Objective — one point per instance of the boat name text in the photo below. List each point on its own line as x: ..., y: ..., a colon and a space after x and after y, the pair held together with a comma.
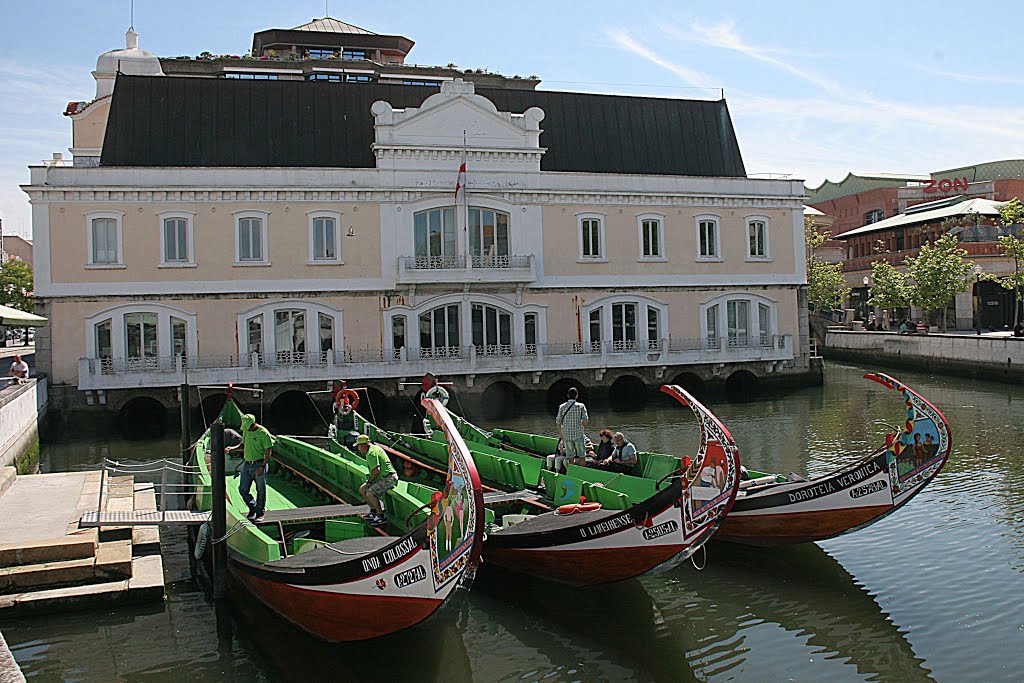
x: 390, y: 556
x: 607, y: 526
x: 841, y: 482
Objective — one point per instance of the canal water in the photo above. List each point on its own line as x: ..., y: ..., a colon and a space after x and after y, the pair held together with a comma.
x: 934, y: 592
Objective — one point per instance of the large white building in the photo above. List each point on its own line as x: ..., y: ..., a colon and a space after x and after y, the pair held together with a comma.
x: 288, y: 230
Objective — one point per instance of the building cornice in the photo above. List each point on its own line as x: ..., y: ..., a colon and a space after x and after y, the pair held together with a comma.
x: 121, y: 195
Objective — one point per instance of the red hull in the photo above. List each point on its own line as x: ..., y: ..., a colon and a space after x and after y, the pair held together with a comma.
x: 796, y: 527
x: 583, y: 567
x: 336, y: 617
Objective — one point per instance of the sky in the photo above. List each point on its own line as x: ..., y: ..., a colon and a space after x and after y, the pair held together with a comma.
x: 815, y: 89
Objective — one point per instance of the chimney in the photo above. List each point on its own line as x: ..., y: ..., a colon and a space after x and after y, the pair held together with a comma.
x: 131, y: 39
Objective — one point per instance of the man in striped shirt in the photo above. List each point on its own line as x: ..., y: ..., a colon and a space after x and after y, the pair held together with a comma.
x: 572, y: 418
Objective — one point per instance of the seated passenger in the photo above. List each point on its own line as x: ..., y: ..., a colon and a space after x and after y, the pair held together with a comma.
x: 623, y: 458
x: 604, y: 446
x: 554, y: 462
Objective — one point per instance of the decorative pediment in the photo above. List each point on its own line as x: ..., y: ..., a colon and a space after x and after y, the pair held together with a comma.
x: 432, y: 135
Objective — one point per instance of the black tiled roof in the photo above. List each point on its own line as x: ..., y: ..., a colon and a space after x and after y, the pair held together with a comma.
x: 168, y: 121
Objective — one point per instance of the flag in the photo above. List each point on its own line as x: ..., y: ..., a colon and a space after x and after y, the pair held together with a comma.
x: 460, y: 183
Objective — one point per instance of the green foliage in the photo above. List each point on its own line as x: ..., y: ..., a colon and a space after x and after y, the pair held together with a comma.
x: 939, y: 272
x: 1012, y: 213
x: 16, y: 285
x: 890, y: 287
x: 826, y: 286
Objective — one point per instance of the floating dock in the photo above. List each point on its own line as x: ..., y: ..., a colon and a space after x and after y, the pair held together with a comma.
x: 49, y: 563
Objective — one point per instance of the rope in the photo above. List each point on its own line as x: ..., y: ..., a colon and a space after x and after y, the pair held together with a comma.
x: 317, y: 409
x: 239, y: 525
x: 704, y: 555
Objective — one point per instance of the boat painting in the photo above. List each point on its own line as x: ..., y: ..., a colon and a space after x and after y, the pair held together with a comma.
x: 594, y: 527
x: 771, y: 510
x: 314, y: 561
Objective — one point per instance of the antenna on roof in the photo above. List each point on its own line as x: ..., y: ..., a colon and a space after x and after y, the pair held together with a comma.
x: 327, y: 10
x: 131, y: 26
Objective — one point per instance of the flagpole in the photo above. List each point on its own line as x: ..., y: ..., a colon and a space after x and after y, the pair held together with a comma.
x: 465, y: 204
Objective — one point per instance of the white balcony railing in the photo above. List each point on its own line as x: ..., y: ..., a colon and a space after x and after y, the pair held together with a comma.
x: 374, y: 363
x: 456, y: 269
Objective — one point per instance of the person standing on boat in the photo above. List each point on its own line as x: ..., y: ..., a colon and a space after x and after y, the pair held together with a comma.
x: 572, y: 418
x: 257, y: 445
x: 381, y: 480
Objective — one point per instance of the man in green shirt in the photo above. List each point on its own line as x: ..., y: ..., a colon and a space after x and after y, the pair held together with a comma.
x: 381, y: 480
x: 257, y: 444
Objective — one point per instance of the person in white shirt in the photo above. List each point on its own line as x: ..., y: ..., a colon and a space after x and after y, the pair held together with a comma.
x: 18, y: 371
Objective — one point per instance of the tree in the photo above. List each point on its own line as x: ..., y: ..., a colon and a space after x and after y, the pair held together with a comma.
x: 939, y: 272
x: 826, y: 286
x: 1010, y: 214
x: 890, y: 287
x: 16, y: 285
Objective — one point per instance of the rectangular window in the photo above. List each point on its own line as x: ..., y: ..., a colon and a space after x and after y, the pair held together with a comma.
x: 757, y: 232
x: 707, y: 237
x: 175, y: 240
x: 290, y: 335
x: 488, y: 238
x: 653, y: 328
x: 326, y: 335
x: 358, y: 78
x: 764, y: 325
x: 320, y: 53
x: 398, y: 333
x: 104, y: 240
x: 874, y: 216
x: 711, y: 316
x: 178, y: 339
x: 435, y: 238
x: 650, y: 237
x: 590, y: 238
x: 623, y: 326
x: 439, y: 329
x: 492, y: 330
x: 251, y: 77
x: 431, y: 84
x: 103, y: 344
x: 324, y: 238
x: 140, y: 338
x: 250, y: 239
x: 254, y: 329
x: 329, y: 78
x: 353, y: 54
x: 738, y: 314
x: 595, y: 330
x: 530, y: 333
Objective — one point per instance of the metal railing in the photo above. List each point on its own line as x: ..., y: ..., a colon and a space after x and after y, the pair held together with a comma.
x: 434, y: 262
x: 502, y: 262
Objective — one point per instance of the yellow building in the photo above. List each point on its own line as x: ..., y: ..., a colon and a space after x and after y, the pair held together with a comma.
x: 276, y: 231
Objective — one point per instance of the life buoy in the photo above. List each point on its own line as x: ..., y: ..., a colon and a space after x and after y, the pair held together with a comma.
x: 573, y: 508
x: 439, y: 393
x: 346, y: 400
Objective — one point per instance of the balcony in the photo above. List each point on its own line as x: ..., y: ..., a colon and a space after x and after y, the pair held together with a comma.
x: 973, y: 249
x: 376, y: 363
x: 416, y: 270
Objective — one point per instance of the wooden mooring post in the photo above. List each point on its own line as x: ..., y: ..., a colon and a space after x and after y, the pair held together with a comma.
x: 218, y: 510
x: 186, y: 424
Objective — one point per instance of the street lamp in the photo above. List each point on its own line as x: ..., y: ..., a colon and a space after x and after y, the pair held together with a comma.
x: 977, y: 300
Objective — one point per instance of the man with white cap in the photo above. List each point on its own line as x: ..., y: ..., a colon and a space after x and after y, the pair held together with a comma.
x: 257, y: 444
x: 382, y: 478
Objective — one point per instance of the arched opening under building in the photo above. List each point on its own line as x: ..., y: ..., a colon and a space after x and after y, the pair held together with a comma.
x: 501, y: 400
x: 142, y: 417
x: 693, y: 383
x: 627, y: 393
x: 742, y: 386
x: 293, y: 412
x: 373, y: 405
x: 210, y: 406
x: 556, y: 394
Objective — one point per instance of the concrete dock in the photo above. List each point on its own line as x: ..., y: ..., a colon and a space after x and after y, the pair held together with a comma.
x: 48, y: 563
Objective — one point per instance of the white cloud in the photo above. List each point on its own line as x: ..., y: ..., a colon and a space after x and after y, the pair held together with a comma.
x: 691, y: 77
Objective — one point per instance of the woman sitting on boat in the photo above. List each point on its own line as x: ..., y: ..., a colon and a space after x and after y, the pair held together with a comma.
x: 623, y: 458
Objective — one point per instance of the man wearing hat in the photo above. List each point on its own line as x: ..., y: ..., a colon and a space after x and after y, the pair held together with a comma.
x: 381, y: 480
x: 257, y: 444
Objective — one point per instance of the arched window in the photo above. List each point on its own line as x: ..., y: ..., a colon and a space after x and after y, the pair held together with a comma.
x: 488, y: 237
x: 625, y: 323
x: 290, y: 333
x: 492, y: 330
x: 739, y: 320
x: 435, y: 238
x: 141, y: 337
x: 440, y: 334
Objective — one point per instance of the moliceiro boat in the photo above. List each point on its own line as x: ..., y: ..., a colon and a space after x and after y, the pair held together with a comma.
x: 773, y: 510
x: 316, y: 562
x: 587, y: 526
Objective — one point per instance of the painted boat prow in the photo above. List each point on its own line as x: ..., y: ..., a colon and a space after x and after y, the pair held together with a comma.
x: 855, y: 495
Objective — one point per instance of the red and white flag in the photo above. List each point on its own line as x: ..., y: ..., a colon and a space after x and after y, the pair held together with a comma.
x: 460, y: 183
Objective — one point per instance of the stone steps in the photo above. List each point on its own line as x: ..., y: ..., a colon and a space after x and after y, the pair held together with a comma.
x: 78, y: 547
x: 112, y: 562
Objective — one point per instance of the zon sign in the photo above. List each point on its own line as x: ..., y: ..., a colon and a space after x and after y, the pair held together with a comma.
x: 946, y: 185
